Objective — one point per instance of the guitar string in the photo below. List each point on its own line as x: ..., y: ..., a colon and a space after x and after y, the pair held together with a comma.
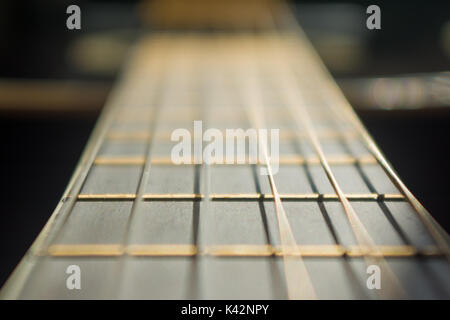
x: 336, y: 238
x: 439, y: 235
x: 394, y: 289
x: 295, y: 103
x: 298, y: 281
x: 267, y: 163
x: 172, y: 61
x: 52, y: 229
x: 158, y: 79
x: 206, y: 220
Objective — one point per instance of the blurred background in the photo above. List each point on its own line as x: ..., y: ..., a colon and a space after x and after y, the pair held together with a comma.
x: 54, y: 82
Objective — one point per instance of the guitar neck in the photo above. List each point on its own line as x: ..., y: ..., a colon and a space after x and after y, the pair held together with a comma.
x: 328, y: 206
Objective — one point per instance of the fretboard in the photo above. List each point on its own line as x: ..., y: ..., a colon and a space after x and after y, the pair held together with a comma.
x: 141, y: 226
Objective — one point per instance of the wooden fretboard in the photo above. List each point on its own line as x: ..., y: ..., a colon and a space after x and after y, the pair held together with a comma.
x: 139, y: 226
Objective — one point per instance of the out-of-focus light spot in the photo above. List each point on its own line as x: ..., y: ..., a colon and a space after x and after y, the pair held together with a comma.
x: 445, y: 38
x: 340, y: 52
x: 97, y: 53
x: 440, y: 88
x: 401, y: 92
x: 398, y: 93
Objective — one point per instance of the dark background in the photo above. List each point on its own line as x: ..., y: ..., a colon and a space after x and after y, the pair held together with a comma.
x: 40, y: 151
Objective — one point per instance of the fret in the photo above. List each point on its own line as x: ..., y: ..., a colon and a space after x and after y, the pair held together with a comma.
x: 146, y: 250
x: 128, y: 136
x: 118, y: 135
x: 106, y: 197
x: 314, y: 197
x: 242, y: 196
x: 284, y: 160
x: 168, y: 197
x: 127, y: 161
x: 85, y: 250
x: 237, y: 250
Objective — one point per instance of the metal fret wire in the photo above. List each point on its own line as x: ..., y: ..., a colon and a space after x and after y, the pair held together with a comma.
x: 237, y: 250
x: 284, y: 160
x: 240, y: 196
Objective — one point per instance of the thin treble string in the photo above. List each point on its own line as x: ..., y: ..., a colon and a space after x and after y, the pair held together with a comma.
x: 309, y: 177
x: 295, y: 104
x: 159, y: 79
x: 394, y: 290
x: 209, y: 85
x: 440, y: 236
x: 297, y: 278
x: 196, y: 280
